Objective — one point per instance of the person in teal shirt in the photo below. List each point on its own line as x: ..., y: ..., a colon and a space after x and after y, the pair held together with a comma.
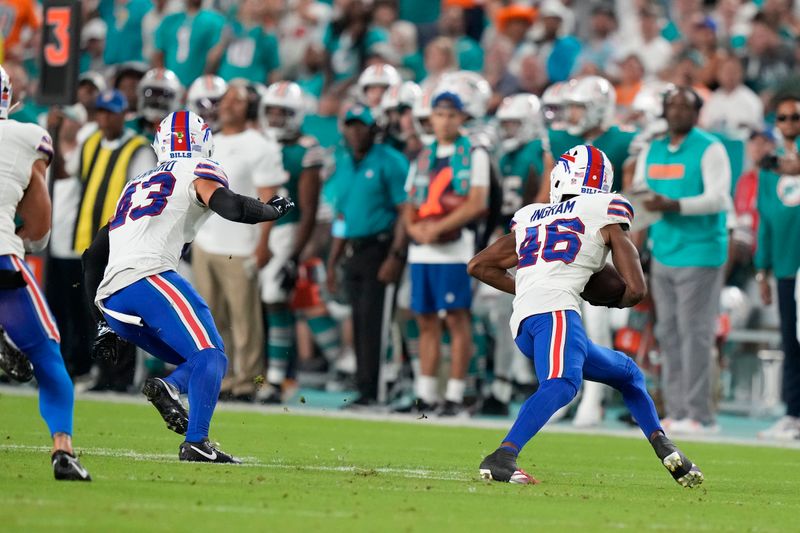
x: 688, y: 171
x: 246, y: 49
x: 184, y: 39
x: 369, y: 196
x: 778, y: 254
x: 124, y: 35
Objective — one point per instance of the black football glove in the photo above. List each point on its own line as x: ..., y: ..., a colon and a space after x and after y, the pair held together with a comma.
x: 281, y: 204
x: 287, y: 276
x: 107, y: 345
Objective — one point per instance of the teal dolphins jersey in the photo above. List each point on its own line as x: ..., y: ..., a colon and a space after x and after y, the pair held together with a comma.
x: 515, y: 171
x: 298, y: 156
x: 615, y: 142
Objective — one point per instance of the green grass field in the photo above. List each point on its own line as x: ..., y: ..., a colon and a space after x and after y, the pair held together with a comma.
x: 308, y: 473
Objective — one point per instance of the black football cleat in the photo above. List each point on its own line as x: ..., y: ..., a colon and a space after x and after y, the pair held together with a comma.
x: 167, y: 401
x: 683, y: 471
x: 66, y: 467
x: 501, y: 466
x: 493, y: 407
x: 204, y: 452
x: 449, y: 409
x: 13, y: 362
x: 417, y: 407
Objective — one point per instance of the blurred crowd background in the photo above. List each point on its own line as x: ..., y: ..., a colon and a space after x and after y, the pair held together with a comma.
x: 324, y: 301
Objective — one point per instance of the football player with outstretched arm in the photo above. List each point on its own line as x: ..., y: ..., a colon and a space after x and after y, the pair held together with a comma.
x: 557, y: 248
x: 143, y: 298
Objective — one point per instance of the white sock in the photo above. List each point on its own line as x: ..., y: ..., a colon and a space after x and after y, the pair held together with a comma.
x: 501, y: 389
x: 427, y: 389
x: 455, y: 390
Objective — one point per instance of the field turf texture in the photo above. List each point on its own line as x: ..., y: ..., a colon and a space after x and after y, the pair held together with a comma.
x: 318, y: 473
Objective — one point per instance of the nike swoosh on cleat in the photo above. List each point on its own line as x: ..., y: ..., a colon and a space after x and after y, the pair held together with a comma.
x: 169, y: 390
x: 210, y: 457
x: 74, y: 464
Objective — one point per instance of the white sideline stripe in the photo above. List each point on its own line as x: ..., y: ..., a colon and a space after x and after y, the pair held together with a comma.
x: 250, y: 462
x: 378, y: 416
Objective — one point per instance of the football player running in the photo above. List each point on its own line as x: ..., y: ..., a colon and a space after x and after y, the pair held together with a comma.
x: 556, y: 248
x: 25, y: 152
x: 143, y: 298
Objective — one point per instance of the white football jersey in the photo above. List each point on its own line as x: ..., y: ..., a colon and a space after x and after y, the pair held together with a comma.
x: 20, y: 146
x: 559, y: 248
x: 156, y: 215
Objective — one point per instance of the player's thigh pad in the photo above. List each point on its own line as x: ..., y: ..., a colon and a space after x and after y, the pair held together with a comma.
x: 556, y: 342
x: 24, y: 312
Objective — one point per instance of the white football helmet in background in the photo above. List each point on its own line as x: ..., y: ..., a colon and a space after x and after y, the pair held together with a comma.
x: 400, y: 96
x: 583, y: 169
x: 381, y: 75
x: 524, y: 112
x: 598, y: 98
x: 288, y: 96
x: 183, y: 134
x: 421, y: 115
x: 553, y: 99
x: 473, y: 89
x: 160, y: 92
x: 204, y: 95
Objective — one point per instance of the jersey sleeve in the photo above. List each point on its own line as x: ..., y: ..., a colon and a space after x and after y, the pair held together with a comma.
x: 618, y: 211
x: 211, y: 170
x: 42, y: 144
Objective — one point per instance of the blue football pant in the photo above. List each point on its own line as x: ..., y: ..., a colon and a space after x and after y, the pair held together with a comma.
x: 27, y: 319
x: 176, y: 327
x: 563, y: 356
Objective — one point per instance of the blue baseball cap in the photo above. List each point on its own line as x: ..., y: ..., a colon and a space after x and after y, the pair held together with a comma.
x: 360, y: 113
x: 449, y: 99
x: 112, y: 101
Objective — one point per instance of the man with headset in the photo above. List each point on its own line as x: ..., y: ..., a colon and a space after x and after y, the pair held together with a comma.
x: 689, y: 172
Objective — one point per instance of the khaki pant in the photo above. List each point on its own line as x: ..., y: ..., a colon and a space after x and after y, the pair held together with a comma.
x: 231, y: 290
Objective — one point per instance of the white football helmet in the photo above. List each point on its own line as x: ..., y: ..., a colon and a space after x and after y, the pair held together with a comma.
x: 474, y: 90
x: 398, y: 96
x: 421, y: 115
x: 599, y: 99
x: 160, y: 92
x: 648, y: 104
x: 381, y: 75
x: 204, y: 96
x: 524, y: 109
x: 553, y: 104
x: 6, y: 93
x: 582, y: 169
x: 183, y: 134
x: 286, y: 95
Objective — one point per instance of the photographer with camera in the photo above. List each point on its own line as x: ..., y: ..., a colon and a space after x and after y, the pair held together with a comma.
x: 778, y: 253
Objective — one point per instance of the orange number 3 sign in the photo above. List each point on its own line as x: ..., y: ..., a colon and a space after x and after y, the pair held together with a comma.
x: 57, y: 53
